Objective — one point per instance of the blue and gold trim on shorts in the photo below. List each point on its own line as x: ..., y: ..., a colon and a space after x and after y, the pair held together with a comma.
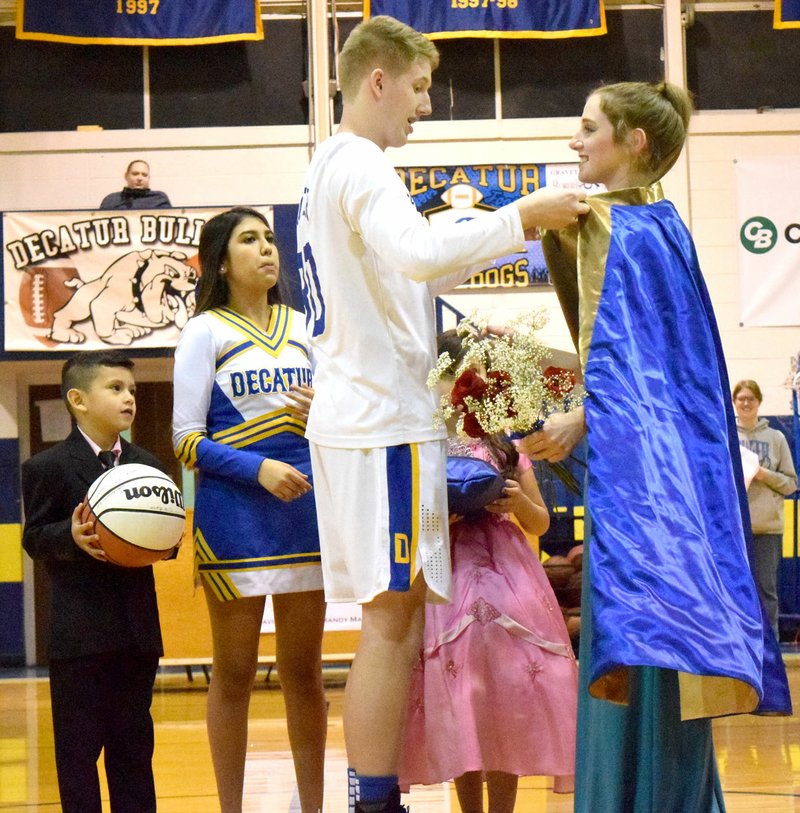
x: 217, y: 572
x: 261, y: 427
x: 243, y: 434
x: 403, y: 489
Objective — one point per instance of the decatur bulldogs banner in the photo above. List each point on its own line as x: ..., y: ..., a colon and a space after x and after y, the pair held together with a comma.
x: 462, y: 192
x: 543, y: 19
x: 787, y: 14
x: 80, y: 280
x: 768, y: 228
x: 139, y: 22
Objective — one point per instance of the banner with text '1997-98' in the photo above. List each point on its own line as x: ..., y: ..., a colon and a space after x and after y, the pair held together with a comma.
x: 531, y: 19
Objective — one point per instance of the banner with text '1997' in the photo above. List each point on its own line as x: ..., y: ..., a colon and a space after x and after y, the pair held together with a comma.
x: 139, y: 22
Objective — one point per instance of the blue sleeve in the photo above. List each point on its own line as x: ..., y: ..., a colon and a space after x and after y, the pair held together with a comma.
x: 226, y: 461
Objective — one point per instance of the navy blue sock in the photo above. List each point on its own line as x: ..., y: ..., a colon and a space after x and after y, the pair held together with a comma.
x: 375, y: 788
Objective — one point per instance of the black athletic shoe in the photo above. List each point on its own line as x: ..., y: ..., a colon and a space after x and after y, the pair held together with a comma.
x: 391, y: 805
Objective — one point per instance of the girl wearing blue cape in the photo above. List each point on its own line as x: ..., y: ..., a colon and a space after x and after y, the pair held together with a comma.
x: 673, y: 632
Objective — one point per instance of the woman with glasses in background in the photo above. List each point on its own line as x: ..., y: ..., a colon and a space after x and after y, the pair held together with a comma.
x: 774, y: 480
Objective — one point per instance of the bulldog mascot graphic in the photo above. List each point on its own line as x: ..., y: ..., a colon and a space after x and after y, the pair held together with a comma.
x: 138, y: 293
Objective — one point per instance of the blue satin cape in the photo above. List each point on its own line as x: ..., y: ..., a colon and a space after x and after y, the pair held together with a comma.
x: 672, y: 584
x: 670, y: 569
x: 672, y: 629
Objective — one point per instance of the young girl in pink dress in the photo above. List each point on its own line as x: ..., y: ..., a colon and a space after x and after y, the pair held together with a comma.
x: 494, y: 695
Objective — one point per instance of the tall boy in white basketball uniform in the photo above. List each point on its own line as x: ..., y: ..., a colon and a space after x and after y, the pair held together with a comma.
x: 371, y: 266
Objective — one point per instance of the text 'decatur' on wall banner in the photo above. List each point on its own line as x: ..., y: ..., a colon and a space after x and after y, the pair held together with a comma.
x: 453, y: 193
x: 84, y: 280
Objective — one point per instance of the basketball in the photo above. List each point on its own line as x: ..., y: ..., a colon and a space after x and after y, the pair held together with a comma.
x: 137, y: 512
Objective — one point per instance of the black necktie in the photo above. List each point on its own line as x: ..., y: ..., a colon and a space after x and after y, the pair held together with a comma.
x: 107, y: 459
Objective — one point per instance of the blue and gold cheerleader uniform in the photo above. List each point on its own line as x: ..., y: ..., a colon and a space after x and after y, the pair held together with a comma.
x: 230, y: 412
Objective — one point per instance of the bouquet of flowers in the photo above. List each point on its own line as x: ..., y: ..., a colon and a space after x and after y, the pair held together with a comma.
x: 501, y: 384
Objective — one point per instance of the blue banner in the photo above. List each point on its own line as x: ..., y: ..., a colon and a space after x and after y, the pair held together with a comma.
x: 447, y: 194
x: 543, y: 19
x: 787, y: 14
x: 139, y: 22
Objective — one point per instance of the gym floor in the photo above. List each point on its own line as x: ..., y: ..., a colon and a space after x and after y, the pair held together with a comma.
x: 759, y: 757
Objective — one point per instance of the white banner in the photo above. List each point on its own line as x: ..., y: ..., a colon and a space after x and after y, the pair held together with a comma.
x: 338, y: 616
x: 82, y: 280
x: 768, y: 228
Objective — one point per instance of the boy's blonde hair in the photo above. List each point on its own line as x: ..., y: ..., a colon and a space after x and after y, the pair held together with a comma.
x: 381, y: 42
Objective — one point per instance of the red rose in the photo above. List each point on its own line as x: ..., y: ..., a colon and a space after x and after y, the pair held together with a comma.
x: 472, y: 426
x: 469, y: 383
x: 499, y: 382
x: 559, y: 381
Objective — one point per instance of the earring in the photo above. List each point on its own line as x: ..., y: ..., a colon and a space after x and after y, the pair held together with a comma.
x: 222, y: 270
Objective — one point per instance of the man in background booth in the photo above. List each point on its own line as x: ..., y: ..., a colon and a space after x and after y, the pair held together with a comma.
x: 136, y: 194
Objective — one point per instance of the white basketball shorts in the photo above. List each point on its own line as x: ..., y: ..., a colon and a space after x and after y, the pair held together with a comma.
x: 382, y: 516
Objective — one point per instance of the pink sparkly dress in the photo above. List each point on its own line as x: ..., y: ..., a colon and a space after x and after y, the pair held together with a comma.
x: 496, y: 686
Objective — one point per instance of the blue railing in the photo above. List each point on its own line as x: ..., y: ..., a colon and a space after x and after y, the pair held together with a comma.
x: 445, y: 308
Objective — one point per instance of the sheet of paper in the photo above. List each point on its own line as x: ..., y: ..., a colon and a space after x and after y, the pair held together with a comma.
x: 749, y: 465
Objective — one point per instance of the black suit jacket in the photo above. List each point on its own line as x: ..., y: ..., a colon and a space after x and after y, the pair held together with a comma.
x: 136, y: 199
x: 96, y: 607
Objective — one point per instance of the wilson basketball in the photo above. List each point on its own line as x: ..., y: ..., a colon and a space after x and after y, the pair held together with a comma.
x: 138, y: 514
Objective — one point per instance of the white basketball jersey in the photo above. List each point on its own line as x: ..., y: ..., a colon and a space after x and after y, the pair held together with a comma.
x: 367, y: 259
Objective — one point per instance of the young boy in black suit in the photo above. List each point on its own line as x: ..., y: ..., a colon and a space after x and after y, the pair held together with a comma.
x: 105, y: 638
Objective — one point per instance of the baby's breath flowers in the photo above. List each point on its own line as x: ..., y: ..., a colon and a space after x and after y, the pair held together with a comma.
x: 501, y: 384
